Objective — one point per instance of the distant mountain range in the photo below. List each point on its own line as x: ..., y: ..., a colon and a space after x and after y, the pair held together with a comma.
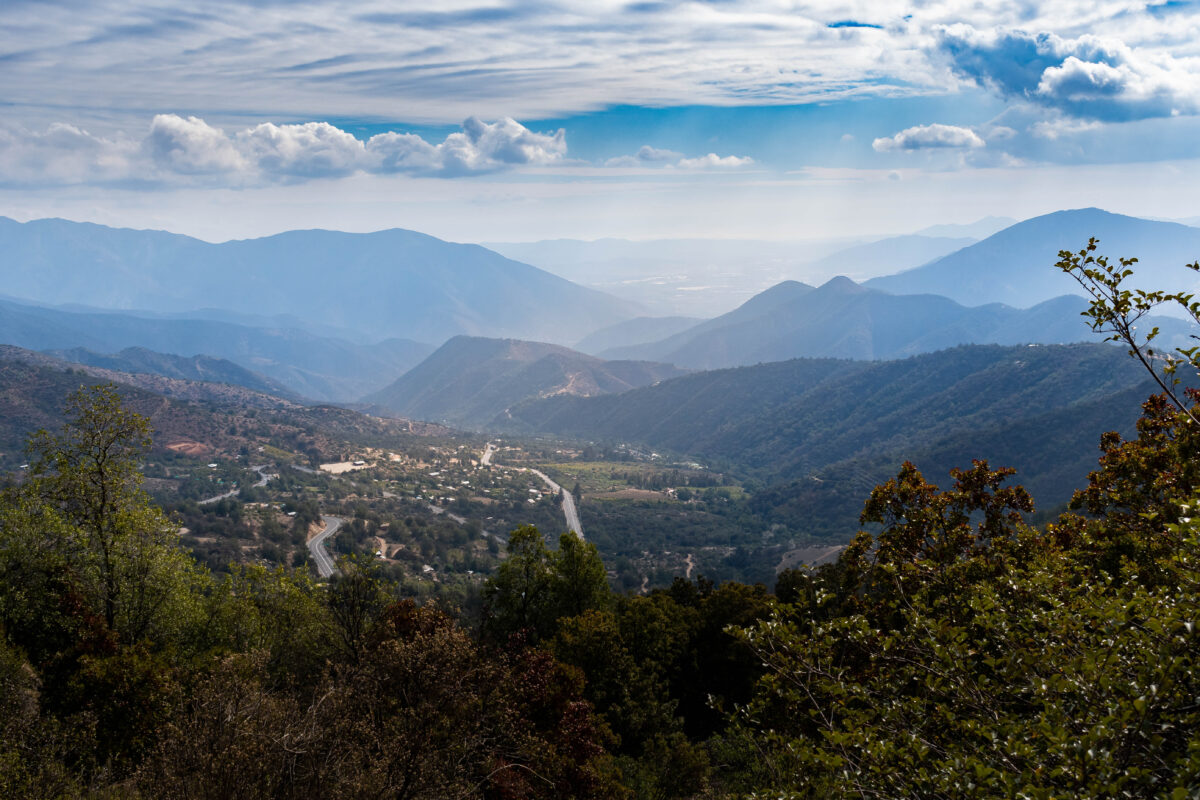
x: 842, y: 319
x: 392, y: 283
x: 638, y: 330
x: 341, y: 290
x: 707, y: 277
x: 886, y: 255
x: 470, y: 382
x: 318, y: 367
x: 195, y: 368
x: 1016, y: 265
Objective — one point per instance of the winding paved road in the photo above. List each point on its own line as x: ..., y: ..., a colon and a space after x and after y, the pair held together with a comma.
x: 570, y: 512
x: 568, y: 502
x: 325, y: 565
x: 263, y: 477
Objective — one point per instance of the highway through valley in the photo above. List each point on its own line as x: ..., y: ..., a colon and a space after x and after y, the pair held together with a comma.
x: 570, y: 511
x: 316, y: 546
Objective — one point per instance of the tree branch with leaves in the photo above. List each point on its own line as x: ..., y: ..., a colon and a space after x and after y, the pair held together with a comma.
x: 1116, y: 308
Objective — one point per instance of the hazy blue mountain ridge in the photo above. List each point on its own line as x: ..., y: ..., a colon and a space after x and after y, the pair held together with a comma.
x: 842, y: 319
x: 318, y: 367
x: 392, y: 283
x: 636, y: 331
x: 887, y: 255
x: 193, y: 368
x: 1016, y: 265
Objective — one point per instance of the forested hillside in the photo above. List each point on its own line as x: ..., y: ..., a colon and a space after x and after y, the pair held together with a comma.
x: 784, y: 418
x: 195, y: 368
x: 819, y: 433
x: 224, y: 419
x: 984, y: 652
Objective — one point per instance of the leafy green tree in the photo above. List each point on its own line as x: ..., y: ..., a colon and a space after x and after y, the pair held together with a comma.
x: 578, y: 579
x: 1115, y: 310
x: 517, y: 597
x: 93, y: 586
x: 961, y: 653
x: 425, y: 714
x: 282, y: 615
x: 628, y: 655
x: 118, y: 544
x: 356, y: 600
x: 534, y: 587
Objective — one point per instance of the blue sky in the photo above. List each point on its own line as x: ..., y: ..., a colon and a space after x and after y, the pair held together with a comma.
x: 526, y: 120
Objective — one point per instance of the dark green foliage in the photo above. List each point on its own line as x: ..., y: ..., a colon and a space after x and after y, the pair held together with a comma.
x: 962, y: 653
x: 535, y: 587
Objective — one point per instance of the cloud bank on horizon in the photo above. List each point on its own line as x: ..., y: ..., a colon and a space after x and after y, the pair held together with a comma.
x: 158, y: 94
x: 178, y: 149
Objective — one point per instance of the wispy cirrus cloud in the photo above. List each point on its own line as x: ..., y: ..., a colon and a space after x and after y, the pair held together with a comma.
x: 398, y: 59
x: 181, y: 149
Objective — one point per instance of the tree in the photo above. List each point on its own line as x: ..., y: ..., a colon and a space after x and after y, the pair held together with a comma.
x: 578, y: 579
x: 119, y: 546
x: 534, y: 587
x: 356, y: 600
x: 961, y: 653
x: 1115, y: 310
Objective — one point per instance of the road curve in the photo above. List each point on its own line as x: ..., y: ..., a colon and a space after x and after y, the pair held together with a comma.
x: 263, y: 477
x: 316, y: 546
x: 570, y: 512
x: 568, y: 502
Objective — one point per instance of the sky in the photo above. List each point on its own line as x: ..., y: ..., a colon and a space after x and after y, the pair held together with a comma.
x: 520, y: 121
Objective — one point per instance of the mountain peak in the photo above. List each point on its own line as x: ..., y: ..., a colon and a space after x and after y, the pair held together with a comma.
x: 1016, y: 265
x: 390, y: 283
x: 841, y: 284
x: 471, y: 380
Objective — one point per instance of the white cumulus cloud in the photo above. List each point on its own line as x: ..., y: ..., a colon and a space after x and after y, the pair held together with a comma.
x: 923, y: 137
x: 190, y: 146
x: 714, y: 161
x: 188, y: 149
x: 1088, y: 77
x: 63, y: 154
x: 313, y: 150
x: 648, y: 156
x: 483, y: 147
